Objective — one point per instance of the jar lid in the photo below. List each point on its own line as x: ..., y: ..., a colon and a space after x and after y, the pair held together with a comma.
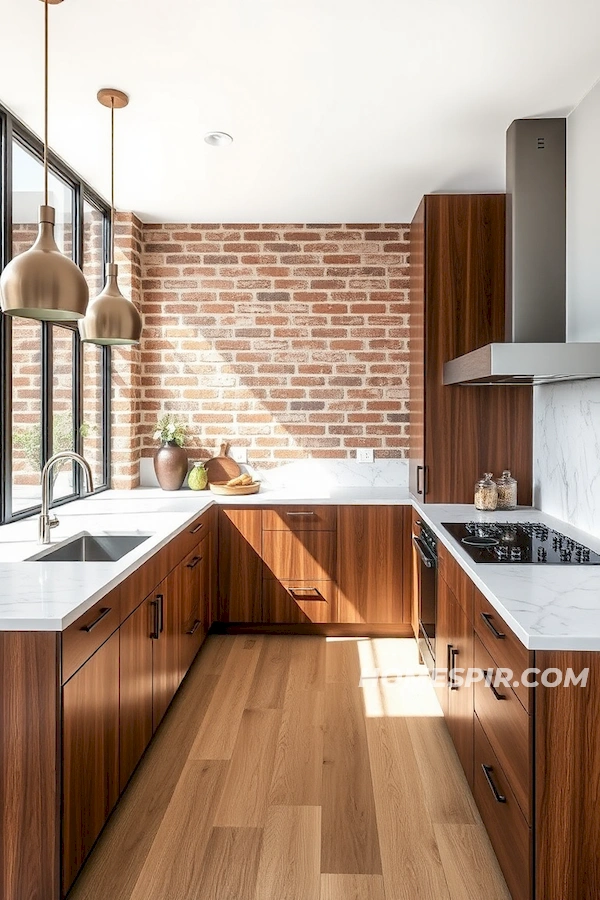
x: 506, y: 476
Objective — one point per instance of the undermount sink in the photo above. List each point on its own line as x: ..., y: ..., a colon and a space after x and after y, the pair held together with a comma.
x: 91, y: 548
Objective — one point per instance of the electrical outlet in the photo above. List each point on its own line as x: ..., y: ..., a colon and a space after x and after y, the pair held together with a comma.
x: 239, y: 454
x: 364, y: 456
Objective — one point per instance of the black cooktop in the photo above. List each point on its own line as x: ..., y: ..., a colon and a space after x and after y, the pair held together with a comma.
x: 520, y: 542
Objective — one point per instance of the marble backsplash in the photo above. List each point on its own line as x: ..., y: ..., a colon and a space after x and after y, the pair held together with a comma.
x: 566, y: 462
x: 317, y: 473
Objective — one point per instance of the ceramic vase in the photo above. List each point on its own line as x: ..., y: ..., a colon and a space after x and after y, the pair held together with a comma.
x: 171, y: 466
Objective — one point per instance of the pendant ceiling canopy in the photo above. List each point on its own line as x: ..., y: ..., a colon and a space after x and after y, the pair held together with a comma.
x: 43, y: 283
x: 111, y: 318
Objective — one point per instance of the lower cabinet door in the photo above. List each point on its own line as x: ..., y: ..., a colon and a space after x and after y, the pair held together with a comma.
x: 194, y: 599
x: 372, y: 544
x: 90, y: 754
x: 460, y: 687
x: 166, y: 669
x: 240, y: 565
x: 136, y: 688
x: 509, y: 833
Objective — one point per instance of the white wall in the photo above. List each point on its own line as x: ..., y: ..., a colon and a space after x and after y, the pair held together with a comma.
x: 567, y: 416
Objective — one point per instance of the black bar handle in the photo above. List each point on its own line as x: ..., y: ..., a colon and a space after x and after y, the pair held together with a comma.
x: 103, y: 612
x: 487, y: 677
x: 448, y: 665
x: 194, y: 562
x: 419, y: 470
x: 487, y: 771
x: 161, y: 613
x: 487, y: 618
x: 303, y: 593
x: 195, y: 626
x: 421, y: 548
x: 155, y: 634
x: 197, y: 528
x: 453, y: 654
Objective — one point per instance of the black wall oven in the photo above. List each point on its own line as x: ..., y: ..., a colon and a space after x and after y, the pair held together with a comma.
x: 425, y: 544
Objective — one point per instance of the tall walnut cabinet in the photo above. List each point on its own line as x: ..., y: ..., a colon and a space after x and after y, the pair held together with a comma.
x: 457, y: 283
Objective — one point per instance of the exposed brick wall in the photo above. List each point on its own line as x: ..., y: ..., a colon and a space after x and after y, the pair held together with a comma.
x: 289, y: 339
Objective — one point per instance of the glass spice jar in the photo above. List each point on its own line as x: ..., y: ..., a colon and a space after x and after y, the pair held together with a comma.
x: 507, y: 491
x: 486, y: 493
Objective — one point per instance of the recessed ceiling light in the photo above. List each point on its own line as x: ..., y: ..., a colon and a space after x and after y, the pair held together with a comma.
x: 218, y: 138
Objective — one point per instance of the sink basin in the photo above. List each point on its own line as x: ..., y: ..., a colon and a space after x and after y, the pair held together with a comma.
x: 91, y: 548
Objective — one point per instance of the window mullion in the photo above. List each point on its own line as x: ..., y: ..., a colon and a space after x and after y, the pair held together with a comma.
x: 77, y: 408
x: 47, y: 419
x: 106, y: 413
x: 5, y: 325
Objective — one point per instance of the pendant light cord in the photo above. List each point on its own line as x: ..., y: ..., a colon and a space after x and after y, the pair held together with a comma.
x: 112, y: 179
x: 46, y: 102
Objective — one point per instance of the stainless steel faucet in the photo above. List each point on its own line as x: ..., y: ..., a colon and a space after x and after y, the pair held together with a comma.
x: 47, y: 522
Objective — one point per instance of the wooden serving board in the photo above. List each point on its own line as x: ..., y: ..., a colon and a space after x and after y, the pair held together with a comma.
x: 235, y: 490
x: 222, y: 467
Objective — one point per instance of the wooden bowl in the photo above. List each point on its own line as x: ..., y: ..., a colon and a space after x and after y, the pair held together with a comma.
x: 221, y: 487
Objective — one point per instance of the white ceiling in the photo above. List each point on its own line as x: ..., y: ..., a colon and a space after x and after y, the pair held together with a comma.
x: 341, y: 110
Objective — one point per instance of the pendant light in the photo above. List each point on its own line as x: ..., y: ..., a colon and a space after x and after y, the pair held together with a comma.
x: 111, y: 318
x: 43, y: 283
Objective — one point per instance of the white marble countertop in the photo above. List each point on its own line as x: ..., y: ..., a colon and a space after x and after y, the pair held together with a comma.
x: 548, y: 607
x: 49, y: 596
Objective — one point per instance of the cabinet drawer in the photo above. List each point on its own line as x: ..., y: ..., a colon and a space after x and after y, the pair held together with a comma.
x: 300, y: 518
x: 302, y: 556
x: 298, y: 601
x: 457, y: 579
x: 509, y: 833
x: 507, y: 727
x: 502, y: 644
x: 89, y: 632
x: 191, y: 536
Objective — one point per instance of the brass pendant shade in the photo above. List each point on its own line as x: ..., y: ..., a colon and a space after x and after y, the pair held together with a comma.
x: 111, y: 318
x: 43, y: 283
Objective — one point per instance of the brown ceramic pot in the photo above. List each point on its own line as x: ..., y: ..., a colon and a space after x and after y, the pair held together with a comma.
x: 171, y: 466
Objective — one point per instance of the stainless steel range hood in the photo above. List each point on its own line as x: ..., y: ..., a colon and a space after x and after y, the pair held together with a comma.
x: 535, y: 349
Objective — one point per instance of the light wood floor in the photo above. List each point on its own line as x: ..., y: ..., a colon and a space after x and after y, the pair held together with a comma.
x: 279, y: 775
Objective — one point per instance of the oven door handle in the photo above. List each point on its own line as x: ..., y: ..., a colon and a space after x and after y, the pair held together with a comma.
x: 421, y: 549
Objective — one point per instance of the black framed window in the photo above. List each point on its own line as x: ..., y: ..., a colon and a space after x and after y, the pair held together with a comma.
x: 55, y: 390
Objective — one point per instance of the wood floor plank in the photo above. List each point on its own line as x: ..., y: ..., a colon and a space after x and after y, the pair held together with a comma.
x: 447, y: 795
x: 343, y: 661
x: 230, y: 865
x: 213, y: 654
x: 114, y: 867
x: 307, y: 663
x: 175, y: 863
x: 298, y: 765
x: 412, y: 868
x: 217, y: 738
x: 471, y: 868
x: 245, y: 797
x: 350, y: 842
x: 271, y: 675
x: 290, y: 856
x: 352, y: 887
